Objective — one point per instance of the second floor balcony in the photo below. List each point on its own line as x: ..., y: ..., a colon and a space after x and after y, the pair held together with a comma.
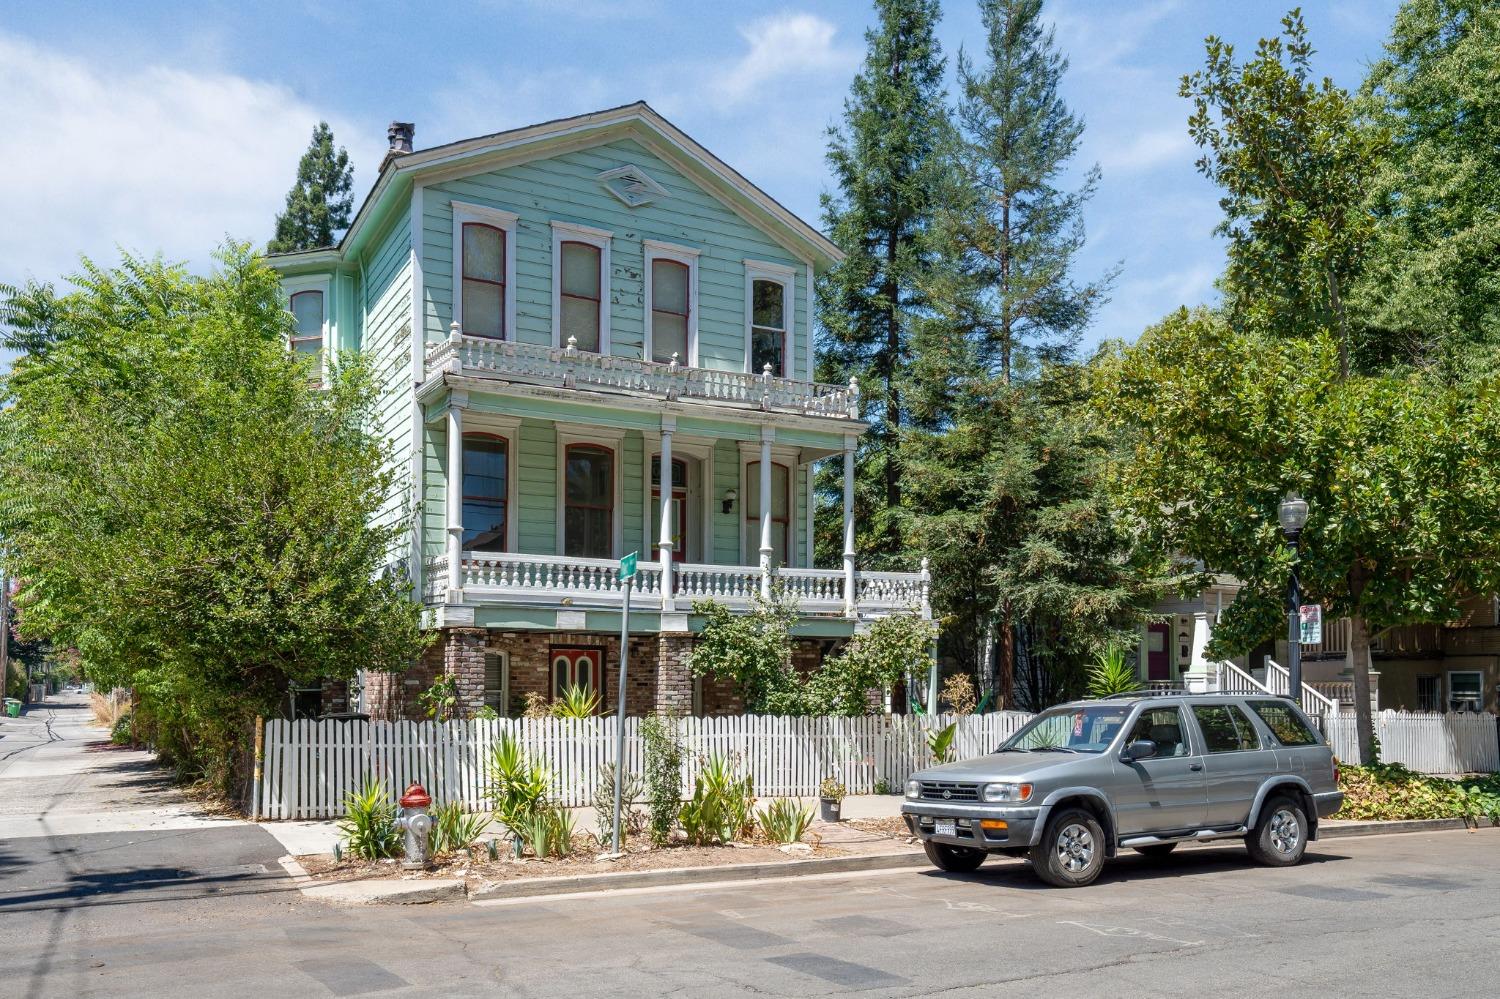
x: 570, y: 368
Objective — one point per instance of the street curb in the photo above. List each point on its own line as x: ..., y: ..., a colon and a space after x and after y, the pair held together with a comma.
x: 1377, y: 828
x: 375, y: 891
x: 678, y: 876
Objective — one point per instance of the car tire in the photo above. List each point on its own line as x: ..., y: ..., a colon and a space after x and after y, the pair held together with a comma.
x: 1071, y: 851
x: 1156, y: 851
x: 953, y: 859
x: 1279, y: 838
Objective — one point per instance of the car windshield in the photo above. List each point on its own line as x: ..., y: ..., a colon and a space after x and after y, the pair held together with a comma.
x: 1069, y: 730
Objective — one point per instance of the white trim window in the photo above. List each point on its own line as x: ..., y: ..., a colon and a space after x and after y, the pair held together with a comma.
x: 1465, y: 690
x: 671, y: 303
x: 487, y: 490
x: 580, y: 286
x: 307, y: 301
x: 590, y: 491
x: 484, y: 271
x: 497, y: 682
x: 770, y: 303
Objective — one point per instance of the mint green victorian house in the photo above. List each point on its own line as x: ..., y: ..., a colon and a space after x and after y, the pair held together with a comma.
x: 594, y: 338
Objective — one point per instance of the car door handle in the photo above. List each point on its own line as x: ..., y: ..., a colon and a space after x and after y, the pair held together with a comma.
x: 1195, y: 766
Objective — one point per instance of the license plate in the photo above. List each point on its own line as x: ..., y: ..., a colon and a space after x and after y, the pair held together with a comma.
x: 945, y: 827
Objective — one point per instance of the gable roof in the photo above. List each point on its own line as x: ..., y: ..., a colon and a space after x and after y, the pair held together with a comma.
x: 638, y: 121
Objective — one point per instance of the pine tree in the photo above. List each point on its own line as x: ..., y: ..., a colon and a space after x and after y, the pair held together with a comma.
x: 887, y: 160
x: 987, y: 441
x: 318, y: 205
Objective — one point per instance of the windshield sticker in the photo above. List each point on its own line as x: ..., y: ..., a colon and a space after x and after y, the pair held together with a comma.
x: 1078, y: 723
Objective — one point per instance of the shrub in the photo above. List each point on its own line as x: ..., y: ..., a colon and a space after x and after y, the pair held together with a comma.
x: 576, y: 702
x: 1390, y: 791
x: 548, y: 831
x: 369, y: 822
x: 454, y: 829
x: 440, y: 701
x: 882, y: 786
x: 784, y: 820
x: 958, y: 691
x: 517, y: 787
x: 832, y: 789
x: 486, y: 713
x: 122, y: 732
x: 108, y: 708
x: 535, y: 705
x: 632, y: 823
x: 722, y: 807
x: 663, y: 776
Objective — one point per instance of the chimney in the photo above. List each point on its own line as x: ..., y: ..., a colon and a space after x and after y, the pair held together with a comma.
x: 400, y: 135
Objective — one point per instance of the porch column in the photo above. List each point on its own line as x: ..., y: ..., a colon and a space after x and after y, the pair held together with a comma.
x: 457, y: 402
x: 767, y: 435
x: 664, y: 544
x: 850, y: 594
x: 1198, y: 664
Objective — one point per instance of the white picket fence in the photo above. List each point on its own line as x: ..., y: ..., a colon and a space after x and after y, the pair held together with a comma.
x: 1461, y: 742
x: 310, y: 765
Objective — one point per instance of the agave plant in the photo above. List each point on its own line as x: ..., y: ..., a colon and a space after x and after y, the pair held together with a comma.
x: 784, y: 820
x: 517, y: 786
x: 1112, y: 673
x: 576, y: 702
x: 369, y: 822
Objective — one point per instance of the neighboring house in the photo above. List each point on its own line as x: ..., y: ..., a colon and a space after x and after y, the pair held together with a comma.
x: 594, y: 338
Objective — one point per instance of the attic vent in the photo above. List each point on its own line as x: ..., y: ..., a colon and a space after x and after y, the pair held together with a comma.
x: 632, y: 185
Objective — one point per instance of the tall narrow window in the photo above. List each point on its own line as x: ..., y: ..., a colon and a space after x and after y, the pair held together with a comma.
x: 307, y: 308
x: 781, y: 506
x: 497, y: 682
x: 679, y: 508
x: 581, y: 284
x: 669, y: 311
x: 768, y: 327
x: 589, y: 487
x: 486, y: 480
x: 483, y: 280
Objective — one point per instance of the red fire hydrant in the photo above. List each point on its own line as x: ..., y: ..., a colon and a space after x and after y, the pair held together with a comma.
x: 417, y: 824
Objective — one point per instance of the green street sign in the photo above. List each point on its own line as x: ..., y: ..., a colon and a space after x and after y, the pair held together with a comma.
x: 627, y: 566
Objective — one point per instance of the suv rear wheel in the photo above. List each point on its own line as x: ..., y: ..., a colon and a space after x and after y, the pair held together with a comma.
x: 1280, y: 835
x: 1071, y: 851
x: 953, y: 859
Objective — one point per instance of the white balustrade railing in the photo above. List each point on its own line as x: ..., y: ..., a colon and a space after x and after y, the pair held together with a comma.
x: 541, y: 577
x: 568, y: 367
x: 1279, y: 681
x: 1233, y: 680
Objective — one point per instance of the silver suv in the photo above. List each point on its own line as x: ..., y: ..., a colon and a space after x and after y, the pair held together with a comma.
x: 1142, y: 771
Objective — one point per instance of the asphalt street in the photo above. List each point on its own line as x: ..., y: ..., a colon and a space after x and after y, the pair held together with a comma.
x: 203, y: 911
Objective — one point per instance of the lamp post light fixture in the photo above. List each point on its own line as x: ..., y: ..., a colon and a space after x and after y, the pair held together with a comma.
x: 1293, y: 516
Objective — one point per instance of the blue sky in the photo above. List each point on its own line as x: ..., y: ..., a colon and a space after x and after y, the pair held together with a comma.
x: 164, y: 126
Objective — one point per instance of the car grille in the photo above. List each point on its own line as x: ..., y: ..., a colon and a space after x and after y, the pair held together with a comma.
x: 943, y: 790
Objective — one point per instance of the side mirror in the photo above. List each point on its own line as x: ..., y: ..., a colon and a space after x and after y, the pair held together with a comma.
x: 1140, y: 749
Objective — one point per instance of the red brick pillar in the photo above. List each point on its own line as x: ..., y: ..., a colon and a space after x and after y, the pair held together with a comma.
x: 463, y: 659
x: 674, y: 678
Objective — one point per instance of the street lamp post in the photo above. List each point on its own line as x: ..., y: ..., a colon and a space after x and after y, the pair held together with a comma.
x: 1293, y: 516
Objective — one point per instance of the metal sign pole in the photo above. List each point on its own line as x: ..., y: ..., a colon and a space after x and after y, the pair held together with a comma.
x: 620, y: 699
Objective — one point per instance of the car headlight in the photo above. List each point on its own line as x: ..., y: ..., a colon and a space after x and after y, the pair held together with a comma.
x: 913, y: 789
x: 1007, y: 792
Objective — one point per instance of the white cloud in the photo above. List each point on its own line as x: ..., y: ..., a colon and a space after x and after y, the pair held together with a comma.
x: 1148, y: 150
x: 146, y: 158
x: 783, y: 47
x: 1105, y: 40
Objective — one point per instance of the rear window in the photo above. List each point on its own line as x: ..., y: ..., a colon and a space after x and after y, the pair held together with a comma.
x: 1284, y: 723
x: 1226, y: 729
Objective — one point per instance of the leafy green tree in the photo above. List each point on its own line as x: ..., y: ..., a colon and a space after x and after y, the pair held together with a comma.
x: 1399, y: 471
x: 1430, y: 293
x: 874, y: 660
x: 887, y: 160
x: 319, y: 203
x: 1296, y: 174
x: 754, y: 650
x: 191, y: 513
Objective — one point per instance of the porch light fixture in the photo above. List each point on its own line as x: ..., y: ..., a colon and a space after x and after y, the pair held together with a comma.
x: 729, y: 497
x: 1293, y: 516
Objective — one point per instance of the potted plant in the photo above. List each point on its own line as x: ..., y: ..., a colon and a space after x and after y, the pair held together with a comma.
x: 831, y: 798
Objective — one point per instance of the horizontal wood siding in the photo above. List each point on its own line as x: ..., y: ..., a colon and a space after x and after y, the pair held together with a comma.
x: 536, y: 488
x: 564, y: 188
x: 387, y: 340
x: 727, y: 525
x: 434, y: 498
x: 631, y: 465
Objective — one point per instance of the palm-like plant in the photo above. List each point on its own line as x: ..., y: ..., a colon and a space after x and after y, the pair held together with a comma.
x: 576, y: 702
x: 1112, y: 672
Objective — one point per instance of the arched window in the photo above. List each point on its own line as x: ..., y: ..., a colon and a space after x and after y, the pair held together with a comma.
x: 483, y: 289
x: 589, y: 501
x: 781, y: 511
x: 679, y: 508
x: 486, y: 477
x: 307, y: 308
x: 580, y: 294
x: 670, y: 288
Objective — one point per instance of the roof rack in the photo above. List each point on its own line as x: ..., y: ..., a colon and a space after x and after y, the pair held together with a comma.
x: 1153, y: 692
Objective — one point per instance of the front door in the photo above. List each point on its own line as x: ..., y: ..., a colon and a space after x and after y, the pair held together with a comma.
x: 680, y: 518
x: 1165, y: 792
x: 577, y: 666
x: 1159, y: 651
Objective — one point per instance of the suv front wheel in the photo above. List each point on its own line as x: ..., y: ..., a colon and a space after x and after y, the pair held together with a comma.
x: 953, y: 859
x: 1280, y: 835
x: 1071, y: 851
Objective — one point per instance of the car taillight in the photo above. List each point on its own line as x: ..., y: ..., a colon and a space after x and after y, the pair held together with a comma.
x: 1335, y: 770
